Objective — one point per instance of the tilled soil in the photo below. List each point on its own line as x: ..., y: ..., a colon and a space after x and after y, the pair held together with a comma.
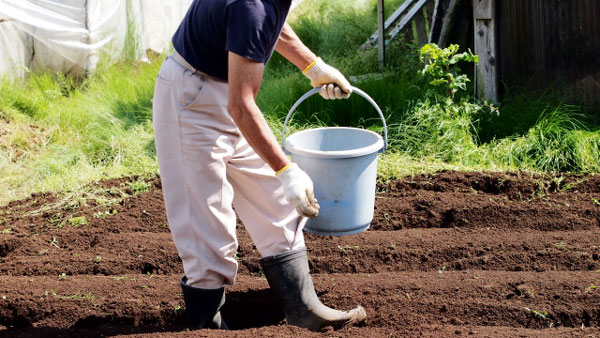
x: 447, y: 254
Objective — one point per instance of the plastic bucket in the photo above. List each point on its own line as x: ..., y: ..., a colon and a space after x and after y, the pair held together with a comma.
x: 342, y: 163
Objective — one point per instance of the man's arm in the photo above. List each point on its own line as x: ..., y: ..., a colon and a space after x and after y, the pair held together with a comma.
x: 291, y: 47
x: 333, y: 84
x: 245, y: 77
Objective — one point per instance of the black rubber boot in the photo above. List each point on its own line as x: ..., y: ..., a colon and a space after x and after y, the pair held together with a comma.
x: 202, y: 306
x: 288, y: 276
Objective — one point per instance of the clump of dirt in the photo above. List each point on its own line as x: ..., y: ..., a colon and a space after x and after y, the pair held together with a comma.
x: 447, y: 254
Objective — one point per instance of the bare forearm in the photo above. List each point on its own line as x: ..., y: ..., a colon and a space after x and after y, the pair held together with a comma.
x: 250, y: 121
x: 293, y: 49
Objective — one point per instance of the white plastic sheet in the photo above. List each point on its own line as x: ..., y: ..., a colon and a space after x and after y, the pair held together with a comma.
x: 72, y: 36
x: 15, y: 49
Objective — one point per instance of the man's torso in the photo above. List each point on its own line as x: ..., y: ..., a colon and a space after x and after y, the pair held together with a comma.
x: 213, y: 28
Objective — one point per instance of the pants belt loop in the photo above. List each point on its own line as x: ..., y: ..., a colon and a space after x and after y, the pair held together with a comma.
x: 180, y: 60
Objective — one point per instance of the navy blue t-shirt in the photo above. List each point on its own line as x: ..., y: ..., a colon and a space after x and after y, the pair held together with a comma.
x: 212, y: 28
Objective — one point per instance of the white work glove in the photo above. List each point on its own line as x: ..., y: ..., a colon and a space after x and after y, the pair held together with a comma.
x: 298, y: 189
x: 333, y: 84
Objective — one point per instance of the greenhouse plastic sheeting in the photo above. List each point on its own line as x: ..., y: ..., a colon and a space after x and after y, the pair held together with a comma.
x: 72, y: 36
x: 15, y: 49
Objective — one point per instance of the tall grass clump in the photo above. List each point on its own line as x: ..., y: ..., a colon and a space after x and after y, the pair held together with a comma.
x: 558, y: 141
x: 58, y: 133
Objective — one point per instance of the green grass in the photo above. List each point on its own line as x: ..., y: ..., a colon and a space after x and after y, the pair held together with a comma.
x: 59, y: 134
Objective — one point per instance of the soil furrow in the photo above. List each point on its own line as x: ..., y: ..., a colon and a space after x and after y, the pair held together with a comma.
x: 451, y: 249
x: 480, y: 298
x: 431, y: 209
x: 406, y: 250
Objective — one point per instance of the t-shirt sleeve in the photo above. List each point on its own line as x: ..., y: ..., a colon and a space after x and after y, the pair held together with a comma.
x: 250, y: 27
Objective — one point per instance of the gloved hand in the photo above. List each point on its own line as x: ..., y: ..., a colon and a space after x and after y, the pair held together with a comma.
x: 333, y: 84
x: 298, y: 188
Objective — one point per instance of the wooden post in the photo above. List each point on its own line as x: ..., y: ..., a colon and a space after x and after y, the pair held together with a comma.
x: 436, y: 22
x: 448, y: 23
x: 421, y: 20
x: 381, y: 28
x: 484, y: 14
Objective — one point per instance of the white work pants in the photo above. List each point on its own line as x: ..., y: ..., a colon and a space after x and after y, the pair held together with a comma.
x: 206, y: 168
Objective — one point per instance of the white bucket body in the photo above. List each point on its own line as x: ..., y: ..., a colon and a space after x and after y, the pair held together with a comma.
x: 342, y: 163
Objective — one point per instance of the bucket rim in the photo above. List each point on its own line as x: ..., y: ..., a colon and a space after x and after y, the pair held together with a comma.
x: 332, y: 154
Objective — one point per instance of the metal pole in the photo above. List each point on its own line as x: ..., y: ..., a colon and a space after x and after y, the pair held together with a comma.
x: 381, y: 28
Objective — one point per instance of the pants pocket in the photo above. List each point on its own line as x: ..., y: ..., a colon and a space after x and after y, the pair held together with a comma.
x: 192, y: 86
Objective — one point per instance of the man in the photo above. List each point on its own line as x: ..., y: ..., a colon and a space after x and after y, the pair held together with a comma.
x: 215, y: 151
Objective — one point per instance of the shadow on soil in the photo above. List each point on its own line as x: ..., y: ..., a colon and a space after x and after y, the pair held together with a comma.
x: 242, y: 310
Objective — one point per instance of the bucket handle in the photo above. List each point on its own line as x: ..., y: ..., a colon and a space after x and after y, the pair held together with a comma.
x: 354, y: 90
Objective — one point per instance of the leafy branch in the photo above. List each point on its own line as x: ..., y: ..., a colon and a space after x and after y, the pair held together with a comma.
x: 442, y: 70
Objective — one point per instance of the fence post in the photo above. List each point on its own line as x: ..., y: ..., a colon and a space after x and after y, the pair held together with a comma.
x: 381, y: 28
x: 484, y: 15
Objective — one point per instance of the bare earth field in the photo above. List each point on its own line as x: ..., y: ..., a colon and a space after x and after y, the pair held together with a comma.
x: 447, y: 254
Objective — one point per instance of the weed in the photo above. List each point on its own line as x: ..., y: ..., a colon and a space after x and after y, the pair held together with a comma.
x: 441, y: 68
x: 98, y: 259
x: 523, y: 291
x: 62, y: 276
x: 54, y: 242
x: 541, y: 189
x: 57, y: 220
x: 541, y: 314
x: 6, y: 231
x: 442, y: 270
x: 105, y: 213
x: 590, y: 288
x: 596, y: 202
x: 50, y: 292
x: 348, y: 247
x: 570, y: 186
x: 75, y: 203
x: 557, y: 183
x: 139, y: 186
x: 560, y: 244
x: 78, y: 221
x: 79, y: 296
